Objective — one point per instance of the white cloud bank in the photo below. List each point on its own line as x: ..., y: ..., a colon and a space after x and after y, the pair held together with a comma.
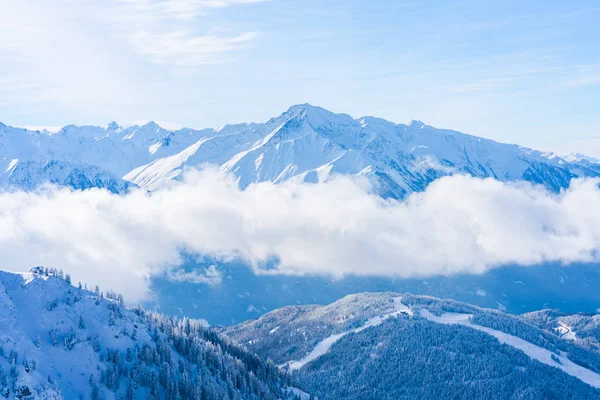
x: 459, y: 224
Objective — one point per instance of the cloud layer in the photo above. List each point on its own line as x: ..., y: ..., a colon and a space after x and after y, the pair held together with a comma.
x: 458, y: 225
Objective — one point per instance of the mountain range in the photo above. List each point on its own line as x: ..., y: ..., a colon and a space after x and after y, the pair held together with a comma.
x: 305, y: 143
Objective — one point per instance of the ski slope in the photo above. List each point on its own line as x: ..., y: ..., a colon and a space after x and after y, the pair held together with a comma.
x: 535, y: 352
x: 324, y: 345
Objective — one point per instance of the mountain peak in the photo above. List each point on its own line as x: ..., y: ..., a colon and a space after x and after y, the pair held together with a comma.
x: 415, y: 123
x: 151, y: 125
x: 302, y: 106
x: 112, y: 126
x: 316, y: 116
x: 306, y: 109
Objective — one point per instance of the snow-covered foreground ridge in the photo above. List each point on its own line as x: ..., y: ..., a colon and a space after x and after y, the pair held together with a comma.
x: 305, y: 143
x: 58, y: 341
x: 364, y: 314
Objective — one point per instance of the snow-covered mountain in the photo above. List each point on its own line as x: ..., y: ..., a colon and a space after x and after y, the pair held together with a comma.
x: 581, y: 328
x: 391, y: 346
x: 305, y: 143
x: 58, y: 341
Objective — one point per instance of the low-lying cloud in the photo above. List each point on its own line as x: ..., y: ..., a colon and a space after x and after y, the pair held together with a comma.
x: 458, y: 225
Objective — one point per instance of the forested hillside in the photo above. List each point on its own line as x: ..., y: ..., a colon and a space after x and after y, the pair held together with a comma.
x: 59, y: 341
x: 387, y: 346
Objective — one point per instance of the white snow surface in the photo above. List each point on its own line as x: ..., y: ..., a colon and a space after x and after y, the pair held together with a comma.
x: 565, y: 331
x: 25, y: 298
x: 300, y: 393
x: 533, y: 351
x: 305, y: 143
x: 32, y: 306
x: 12, y: 164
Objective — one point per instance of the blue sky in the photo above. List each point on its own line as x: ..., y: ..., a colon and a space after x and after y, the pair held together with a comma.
x: 515, y: 71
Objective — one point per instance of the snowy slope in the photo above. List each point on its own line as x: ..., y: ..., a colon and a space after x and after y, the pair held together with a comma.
x: 582, y: 328
x: 305, y: 143
x: 62, y: 342
x: 362, y: 339
x: 28, y: 175
x: 324, y: 345
x: 538, y: 353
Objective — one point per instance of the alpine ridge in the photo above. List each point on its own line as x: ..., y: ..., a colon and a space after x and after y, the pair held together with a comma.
x: 305, y: 143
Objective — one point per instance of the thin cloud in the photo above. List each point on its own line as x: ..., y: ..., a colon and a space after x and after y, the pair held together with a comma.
x: 166, y: 31
x: 182, y: 10
x: 183, y: 48
x: 49, y: 55
x: 210, y: 276
x: 458, y: 225
x: 483, y: 85
x: 585, y: 80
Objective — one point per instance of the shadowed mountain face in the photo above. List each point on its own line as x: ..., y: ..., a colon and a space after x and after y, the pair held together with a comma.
x: 305, y: 143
